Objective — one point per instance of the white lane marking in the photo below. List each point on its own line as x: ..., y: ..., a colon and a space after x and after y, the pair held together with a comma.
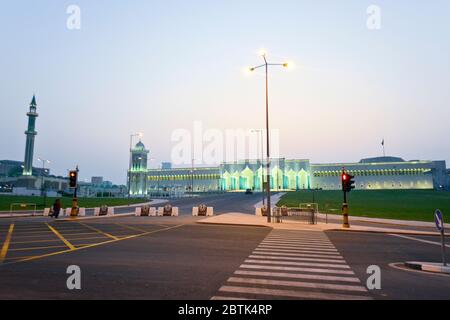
x: 419, y: 240
x: 292, y: 294
x: 297, y: 276
x: 311, y: 255
x: 298, y: 284
x: 300, y: 264
x: 228, y: 298
x: 297, y: 248
x: 299, y: 251
x: 296, y: 259
x: 294, y: 245
x: 312, y: 270
x: 299, y: 241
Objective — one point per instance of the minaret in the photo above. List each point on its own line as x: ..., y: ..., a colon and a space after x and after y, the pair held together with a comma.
x: 139, y: 155
x: 30, y: 133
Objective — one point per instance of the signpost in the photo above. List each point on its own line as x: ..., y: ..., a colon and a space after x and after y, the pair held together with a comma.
x: 439, y: 219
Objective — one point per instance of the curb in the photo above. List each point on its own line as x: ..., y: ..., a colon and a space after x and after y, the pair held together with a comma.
x: 234, y: 224
x: 428, y: 267
x: 412, y: 232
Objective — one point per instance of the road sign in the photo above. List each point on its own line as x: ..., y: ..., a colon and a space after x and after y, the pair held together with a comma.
x: 438, y: 218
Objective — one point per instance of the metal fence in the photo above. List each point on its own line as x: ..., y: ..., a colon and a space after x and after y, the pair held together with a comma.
x: 304, y: 214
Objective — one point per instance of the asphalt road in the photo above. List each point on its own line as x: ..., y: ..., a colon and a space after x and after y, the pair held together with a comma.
x: 176, y: 258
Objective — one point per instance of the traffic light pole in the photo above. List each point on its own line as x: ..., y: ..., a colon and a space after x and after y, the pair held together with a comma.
x: 346, y: 223
x: 74, y: 211
x: 346, y: 186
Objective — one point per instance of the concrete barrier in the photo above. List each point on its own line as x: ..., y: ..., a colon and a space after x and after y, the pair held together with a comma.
x: 46, y: 212
x: 262, y: 212
x: 103, y: 211
x: 68, y: 212
x: 203, y: 211
x: 145, y: 211
x: 168, y: 211
x: 82, y: 212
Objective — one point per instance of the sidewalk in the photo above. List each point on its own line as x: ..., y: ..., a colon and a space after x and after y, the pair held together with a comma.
x: 243, y: 219
x: 381, y: 221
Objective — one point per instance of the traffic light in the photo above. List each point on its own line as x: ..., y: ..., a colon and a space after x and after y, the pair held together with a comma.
x: 73, y: 178
x: 348, y: 182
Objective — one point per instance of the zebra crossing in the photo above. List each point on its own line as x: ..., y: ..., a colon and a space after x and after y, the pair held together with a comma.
x: 290, y: 264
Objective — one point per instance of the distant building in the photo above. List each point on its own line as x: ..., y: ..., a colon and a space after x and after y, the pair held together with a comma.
x: 12, y: 168
x: 96, y: 181
x: 381, y: 173
x: 166, y: 165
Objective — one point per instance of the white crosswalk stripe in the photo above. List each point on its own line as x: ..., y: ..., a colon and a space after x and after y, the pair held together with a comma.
x: 295, y: 259
x: 294, y: 265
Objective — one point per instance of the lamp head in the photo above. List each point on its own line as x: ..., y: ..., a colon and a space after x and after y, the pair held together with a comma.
x: 262, y: 52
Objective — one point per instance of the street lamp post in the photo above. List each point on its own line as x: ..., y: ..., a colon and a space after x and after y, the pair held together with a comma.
x: 43, y: 191
x: 129, y: 164
x: 192, y: 179
x: 260, y: 131
x: 266, y: 67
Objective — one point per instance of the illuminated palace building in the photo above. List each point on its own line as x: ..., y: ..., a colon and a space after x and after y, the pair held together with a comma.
x: 370, y: 174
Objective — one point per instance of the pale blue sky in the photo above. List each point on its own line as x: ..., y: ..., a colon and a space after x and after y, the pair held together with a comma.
x: 157, y: 66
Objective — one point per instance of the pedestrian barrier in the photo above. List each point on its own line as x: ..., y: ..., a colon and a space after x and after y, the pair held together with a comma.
x: 145, y: 211
x: 202, y: 211
x: 103, y: 211
x: 306, y: 214
x: 168, y: 211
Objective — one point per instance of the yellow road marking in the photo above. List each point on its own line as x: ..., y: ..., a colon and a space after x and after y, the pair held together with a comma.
x: 130, y: 227
x: 36, y: 248
x: 6, y: 244
x: 67, y: 243
x: 92, y: 245
x: 33, y: 232
x: 99, y: 231
x: 57, y: 240
x: 50, y: 233
x: 16, y: 258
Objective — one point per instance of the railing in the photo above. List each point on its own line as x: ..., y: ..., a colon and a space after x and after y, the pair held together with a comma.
x: 301, y: 213
x: 23, y: 207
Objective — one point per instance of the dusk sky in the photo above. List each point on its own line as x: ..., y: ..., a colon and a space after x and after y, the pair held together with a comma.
x: 158, y: 66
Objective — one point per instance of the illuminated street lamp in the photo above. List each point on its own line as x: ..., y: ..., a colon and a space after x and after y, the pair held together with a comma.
x: 266, y: 65
x: 140, y: 135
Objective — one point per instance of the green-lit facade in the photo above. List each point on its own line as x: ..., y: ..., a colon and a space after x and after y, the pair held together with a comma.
x: 371, y: 174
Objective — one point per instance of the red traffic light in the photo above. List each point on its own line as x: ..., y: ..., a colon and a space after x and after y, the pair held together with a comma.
x: 73, y: 179
x: 348, y: 182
